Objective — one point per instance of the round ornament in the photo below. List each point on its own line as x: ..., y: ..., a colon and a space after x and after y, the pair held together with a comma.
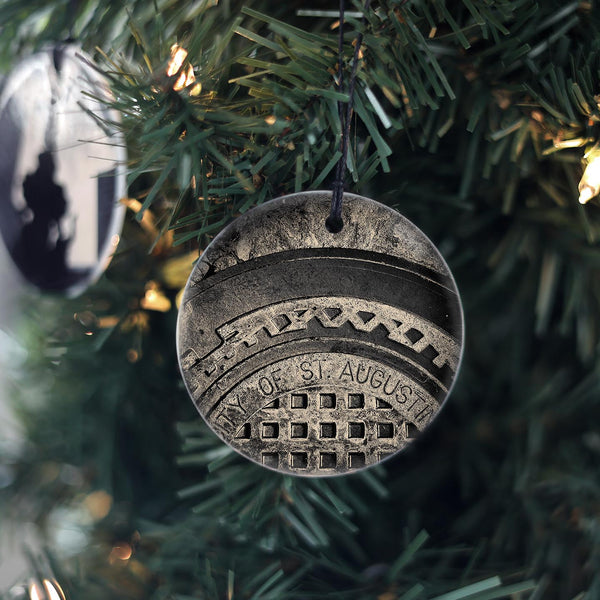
x: 318, y: 353
x: 61, y: 170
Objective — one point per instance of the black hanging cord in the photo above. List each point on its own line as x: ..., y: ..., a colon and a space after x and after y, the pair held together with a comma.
x: 72, y: 10
x: 334, y: 222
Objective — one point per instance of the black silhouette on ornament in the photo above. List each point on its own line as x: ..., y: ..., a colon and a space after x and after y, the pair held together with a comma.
x: 41, y: 249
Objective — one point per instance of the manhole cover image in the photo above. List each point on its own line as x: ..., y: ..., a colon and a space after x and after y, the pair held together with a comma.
x: 317, y: 353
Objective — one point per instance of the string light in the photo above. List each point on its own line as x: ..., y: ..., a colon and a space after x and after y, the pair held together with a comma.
x: 98, y: 504
x: 120, y: 552
x: 51, y: 591
x: 133, y: 355
x: 178, y: 55
x: 34, y: 592
x: 154, y: 299
x: 589, y: 186
x: 186, y: 76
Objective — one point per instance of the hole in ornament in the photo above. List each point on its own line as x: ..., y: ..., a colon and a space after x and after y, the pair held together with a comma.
x: 245, y: 432
x: 385, y: 430
x: 382, y: 404
x: 327, y: 400
x: 430, y: 353
x: 270, y: 430
x: 412, y: 431
x: 356, y: 460
x: 413, y: 335
x: 328, y: 460
x: 281, y: 321
x: 356, y: 401
x: 383, y: 455
x: 299, y: 460
x: 299, y: 430
x: 272, y: 405
x: 365, y: 316
x: 334, y: 224
x: 299, y: 401
x: 356, y: 430
x: 327, y: 430
x: 270, y: 459
x: 332, y: 312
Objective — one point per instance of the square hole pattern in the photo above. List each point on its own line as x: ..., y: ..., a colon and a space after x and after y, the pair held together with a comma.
x: 328, y: 460
x: 327, y: 400
x: 328, y: 430
x: 270, y: 430
x: 299, y: 401
x: 385, y: 430
x: 356, y: 430
x: 356, y: 401
x: 299, y: 460
x: 299, y: 430
x: 270, y: 459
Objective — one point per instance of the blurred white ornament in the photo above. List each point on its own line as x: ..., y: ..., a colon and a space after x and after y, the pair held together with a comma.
x: 62, y: 170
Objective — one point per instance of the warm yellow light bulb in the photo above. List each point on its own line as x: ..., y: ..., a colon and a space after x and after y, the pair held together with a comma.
x: 120, y: 552
x: 154, y: 299
x: 589, y: 186
x: 186, y: 77
x: 178, y: 55
x: 53, y: 590
x: 34, y: 592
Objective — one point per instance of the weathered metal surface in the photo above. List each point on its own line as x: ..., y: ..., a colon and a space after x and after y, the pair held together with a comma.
x: 316, y: 353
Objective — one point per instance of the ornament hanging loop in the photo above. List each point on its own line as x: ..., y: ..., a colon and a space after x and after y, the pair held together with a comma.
x: 334, y: 222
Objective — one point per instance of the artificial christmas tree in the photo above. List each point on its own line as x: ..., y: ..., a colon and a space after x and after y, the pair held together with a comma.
x: 476, y: 120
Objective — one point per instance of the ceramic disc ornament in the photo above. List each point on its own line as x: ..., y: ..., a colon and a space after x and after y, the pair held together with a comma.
x: 318, y: 353
x: 61, y: 171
